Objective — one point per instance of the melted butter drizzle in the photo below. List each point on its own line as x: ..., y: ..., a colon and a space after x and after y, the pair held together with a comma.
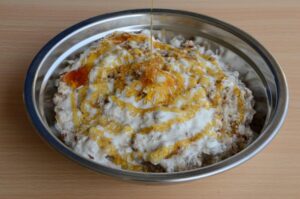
x: 168, y: 151
x: 151, y: 29
x: 105, y: 143
x: 170, y: 91
x: 74, y: 109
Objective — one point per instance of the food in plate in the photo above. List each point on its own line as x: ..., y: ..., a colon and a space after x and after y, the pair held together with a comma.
x: 173, y: 107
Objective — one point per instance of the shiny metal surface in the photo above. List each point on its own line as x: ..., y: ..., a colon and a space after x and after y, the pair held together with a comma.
x: 258, y: 70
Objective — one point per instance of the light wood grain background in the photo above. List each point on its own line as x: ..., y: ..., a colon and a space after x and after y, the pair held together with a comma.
x: 31, y: 169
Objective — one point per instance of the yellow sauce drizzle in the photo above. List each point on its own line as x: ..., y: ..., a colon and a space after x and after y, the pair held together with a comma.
x: 167, y: 151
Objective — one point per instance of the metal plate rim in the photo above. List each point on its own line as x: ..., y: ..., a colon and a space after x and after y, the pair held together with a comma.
x: 272, y: 130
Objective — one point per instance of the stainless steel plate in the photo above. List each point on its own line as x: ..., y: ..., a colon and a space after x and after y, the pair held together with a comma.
x: 258, y: 70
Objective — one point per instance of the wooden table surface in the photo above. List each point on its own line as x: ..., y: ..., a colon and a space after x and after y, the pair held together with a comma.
x: 29, y: 168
